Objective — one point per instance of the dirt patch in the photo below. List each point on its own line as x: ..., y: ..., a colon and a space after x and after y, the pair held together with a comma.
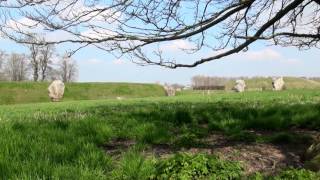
x: 267, y: 158
x: 116, y: 146
x: 264, y: 158
x: 161, y: 150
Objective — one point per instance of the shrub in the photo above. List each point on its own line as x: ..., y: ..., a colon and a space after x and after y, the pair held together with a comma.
x: 200, y: 166
x: 297, y: 174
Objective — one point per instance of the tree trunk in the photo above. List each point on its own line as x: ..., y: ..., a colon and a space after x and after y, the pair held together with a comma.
x: 35, y: 76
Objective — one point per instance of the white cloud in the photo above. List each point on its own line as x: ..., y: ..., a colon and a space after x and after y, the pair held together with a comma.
x: 264, y: 54
x: 98, y: 34
x: 118, y: 62
x: 94, y: 61
x: 59, y: 36
x: 291, y: 61
x: 269, y: 55
x: 23, y: 24
x: 90, y: 13
x: 177, y: 45
x: 27, y: 25
x: 214, y: 53
x: 103, y: 22
x: 259, y: 55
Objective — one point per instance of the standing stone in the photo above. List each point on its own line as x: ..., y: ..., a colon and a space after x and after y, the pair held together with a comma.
x: 277, y: 84
x: 56, y: 90
x: 170, y: 91
x: 240, y: 86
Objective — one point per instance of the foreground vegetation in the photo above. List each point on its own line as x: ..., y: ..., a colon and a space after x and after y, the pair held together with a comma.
x: 152, y: 138
x: 30, y: 92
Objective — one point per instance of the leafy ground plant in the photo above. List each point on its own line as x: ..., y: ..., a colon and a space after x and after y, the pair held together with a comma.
x: 297, y: 174
x: 289, y: 174
x: 183, y: 166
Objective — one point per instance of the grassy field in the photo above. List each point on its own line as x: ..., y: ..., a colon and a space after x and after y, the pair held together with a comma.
x: 29, y: 92
x: 160, y: 137
x: 266, y: 84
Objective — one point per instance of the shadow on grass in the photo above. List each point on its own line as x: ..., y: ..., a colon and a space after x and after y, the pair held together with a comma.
x: 183, y: 122
x: 267, y: 138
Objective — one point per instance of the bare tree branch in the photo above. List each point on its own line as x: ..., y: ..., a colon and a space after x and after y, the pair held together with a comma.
x: 140, y: 29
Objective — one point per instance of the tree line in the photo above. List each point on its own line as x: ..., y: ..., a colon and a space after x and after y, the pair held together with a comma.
x: 208, y: 83
x: 40, y: 63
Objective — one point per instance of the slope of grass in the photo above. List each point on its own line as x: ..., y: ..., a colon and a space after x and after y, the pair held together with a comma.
x: 65, y: 140
x: 266, y: 83
x: 28, y: 92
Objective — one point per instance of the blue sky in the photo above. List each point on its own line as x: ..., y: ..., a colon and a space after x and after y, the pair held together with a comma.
x: 261, y: 60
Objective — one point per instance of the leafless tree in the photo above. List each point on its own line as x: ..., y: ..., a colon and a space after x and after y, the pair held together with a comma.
x: 68, y: 69
x: 139, y: 29
x: 53, y: 73
x: 46, y: 53
x: 2, y: 53
x: 207, y: 82
x: 16, y: 67
x: 40, y: 58
x: 2, y: 62
x: 34, y: 59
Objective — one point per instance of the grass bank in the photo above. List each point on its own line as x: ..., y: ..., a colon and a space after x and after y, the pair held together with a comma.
x: 30, y: 92
x: 261, y: 83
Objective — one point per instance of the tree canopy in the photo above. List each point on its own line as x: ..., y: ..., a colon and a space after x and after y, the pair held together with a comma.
x: 138, y: 29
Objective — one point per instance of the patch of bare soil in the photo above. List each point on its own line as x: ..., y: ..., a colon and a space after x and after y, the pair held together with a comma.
x: 266, y: 158
x: 263, y: 157
x: 116, y: 146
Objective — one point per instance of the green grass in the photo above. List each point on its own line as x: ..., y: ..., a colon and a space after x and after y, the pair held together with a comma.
x: 266, y: 83
x: 65, y: 140
x: 30, y: 92
x: 200, y: 166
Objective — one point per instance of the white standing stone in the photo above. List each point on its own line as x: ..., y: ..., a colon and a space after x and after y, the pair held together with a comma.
x: 56, y: 90
x: 240, y: 85
x: 170, y: 91
x: 278, y: 84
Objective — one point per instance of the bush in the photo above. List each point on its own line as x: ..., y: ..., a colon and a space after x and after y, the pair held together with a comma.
x: 200, y: 166
x: 298, y: 174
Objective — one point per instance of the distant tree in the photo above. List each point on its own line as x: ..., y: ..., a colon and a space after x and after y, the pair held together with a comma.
x: 40, y: 58
x: 1, y: 59
x: 45, y: 62
x: 67, y: 69
x: 177, y: 86
x: 207, y: 82
x: 34, y: 59
x: 16, y: 67
x: 2, y: 62
x: 53, y: 73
